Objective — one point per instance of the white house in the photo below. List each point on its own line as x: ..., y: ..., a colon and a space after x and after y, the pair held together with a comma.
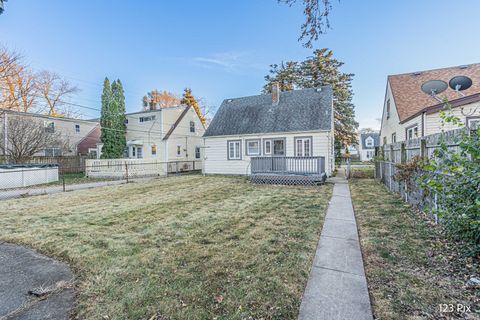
x: 291, y: 130
x: 169, y: 134
x: 409, y: 113
x: 368, y: 141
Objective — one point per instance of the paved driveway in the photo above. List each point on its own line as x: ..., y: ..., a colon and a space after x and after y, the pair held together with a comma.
x: 33, y: 286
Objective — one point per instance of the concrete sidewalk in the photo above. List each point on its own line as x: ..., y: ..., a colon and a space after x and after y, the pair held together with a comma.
x: 337, y: 287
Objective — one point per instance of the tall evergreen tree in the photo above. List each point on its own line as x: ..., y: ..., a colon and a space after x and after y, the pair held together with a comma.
x: 189, y: 100
x: 118, y: 96
x: 319, y: 70
x: 107, y: 122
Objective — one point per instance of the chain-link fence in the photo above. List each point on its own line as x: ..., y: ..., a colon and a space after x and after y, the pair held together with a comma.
x: 21, y: 180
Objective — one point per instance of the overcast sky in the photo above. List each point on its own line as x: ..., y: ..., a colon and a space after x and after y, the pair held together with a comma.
x: 223, y: 49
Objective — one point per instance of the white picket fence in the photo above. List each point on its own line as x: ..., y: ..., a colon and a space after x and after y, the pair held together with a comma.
x: 124, y: 168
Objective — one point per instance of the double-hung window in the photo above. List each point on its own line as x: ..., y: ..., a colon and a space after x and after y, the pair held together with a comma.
x: 77, y: 128
x: 234, y: 152
x: 303, y: 147
x: 192, y: 126
x: 197, y: 152
x: 253, y: 147
x: 412, y: 132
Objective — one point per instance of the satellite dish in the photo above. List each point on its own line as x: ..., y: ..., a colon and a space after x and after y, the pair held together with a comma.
x: 460, y: 83
x: 434, y: 87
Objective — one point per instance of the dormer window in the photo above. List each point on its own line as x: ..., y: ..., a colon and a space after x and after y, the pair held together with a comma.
x: 369, y: 142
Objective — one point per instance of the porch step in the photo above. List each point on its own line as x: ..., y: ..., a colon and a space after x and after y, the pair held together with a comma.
x: 288, y: 179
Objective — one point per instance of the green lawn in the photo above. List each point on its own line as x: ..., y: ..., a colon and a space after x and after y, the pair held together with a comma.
x: 187, y: 247
x: 410, y: 267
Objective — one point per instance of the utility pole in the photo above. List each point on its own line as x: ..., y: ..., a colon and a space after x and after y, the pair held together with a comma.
x: 5, y: 136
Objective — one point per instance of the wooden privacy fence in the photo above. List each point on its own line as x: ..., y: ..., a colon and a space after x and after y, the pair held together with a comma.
x: 390, y: 155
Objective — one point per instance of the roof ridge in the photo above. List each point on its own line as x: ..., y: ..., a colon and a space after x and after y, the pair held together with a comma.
x: 436, y: 69
x: 287, y: 91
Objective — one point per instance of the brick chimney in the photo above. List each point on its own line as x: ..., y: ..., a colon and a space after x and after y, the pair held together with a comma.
x: 275, y: 93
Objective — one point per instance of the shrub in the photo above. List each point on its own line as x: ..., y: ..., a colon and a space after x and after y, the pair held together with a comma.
x: 454, y: 176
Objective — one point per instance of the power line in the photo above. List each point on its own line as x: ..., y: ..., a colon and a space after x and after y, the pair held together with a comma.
x: 92, y: 108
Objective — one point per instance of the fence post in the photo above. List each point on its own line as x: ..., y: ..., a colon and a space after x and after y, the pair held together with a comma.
x: 392, y: 154
x: 63, y: 183
x: 403, y: 153
x: 126, y: 170
x: 423, y: 148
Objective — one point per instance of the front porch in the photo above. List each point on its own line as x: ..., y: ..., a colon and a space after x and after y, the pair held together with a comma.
x: 288, y: 170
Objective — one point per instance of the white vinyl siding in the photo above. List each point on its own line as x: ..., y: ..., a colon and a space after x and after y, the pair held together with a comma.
x: 216, y: 150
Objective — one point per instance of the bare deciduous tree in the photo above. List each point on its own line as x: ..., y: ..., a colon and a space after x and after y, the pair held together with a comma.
x: 20, y: 91
x: 56, y: 90
x: 159, y: 99
x: 316, y: 13
x: 27, y: 136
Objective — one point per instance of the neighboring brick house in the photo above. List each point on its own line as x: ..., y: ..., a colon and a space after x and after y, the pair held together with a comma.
x: 409, y: 113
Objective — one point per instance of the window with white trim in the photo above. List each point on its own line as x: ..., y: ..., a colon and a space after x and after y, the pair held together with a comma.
x: 394, y: 137
x: 179, y: 150
x: 234, y: 152
x: 303, y: 147
x: 197, y: 152
x: 50, y: 127
x: 473, y: 122
x: 192, y: 126
x: 77, y: 128
x: 253, y: 147
x: 412, y: 133
x: 154, y: 150
x: 52, y: 152
x: 267, y: 148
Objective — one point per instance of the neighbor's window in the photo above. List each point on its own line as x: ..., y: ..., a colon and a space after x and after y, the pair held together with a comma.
x: 369, y: 142
x: 77, y: 128
x: 253, y: 147
x: 388, y: 108
x: 145, y: 119
x: 267, y: 149
x: 154, y: 150
x: 53, y: 152
x: 303, y: 147
x: 50, y: 127
x: 234, y: 150
x: 179, y: 150
x: 412, y: 133
x: 197, y: 152
x: 473, y: 122
x: 192, y: 126
x: 394, y: 137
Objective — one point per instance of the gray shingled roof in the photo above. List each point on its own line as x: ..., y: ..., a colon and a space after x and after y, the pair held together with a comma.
x: 374, y: 135
x: 298, y: 110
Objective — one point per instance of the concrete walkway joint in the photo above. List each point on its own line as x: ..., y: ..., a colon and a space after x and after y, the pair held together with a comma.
x: 337, y: 286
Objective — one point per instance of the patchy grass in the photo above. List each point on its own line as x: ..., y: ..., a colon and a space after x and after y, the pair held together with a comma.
x: 187, y: 247
x: 364, y: 172
x: 410, y: 267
